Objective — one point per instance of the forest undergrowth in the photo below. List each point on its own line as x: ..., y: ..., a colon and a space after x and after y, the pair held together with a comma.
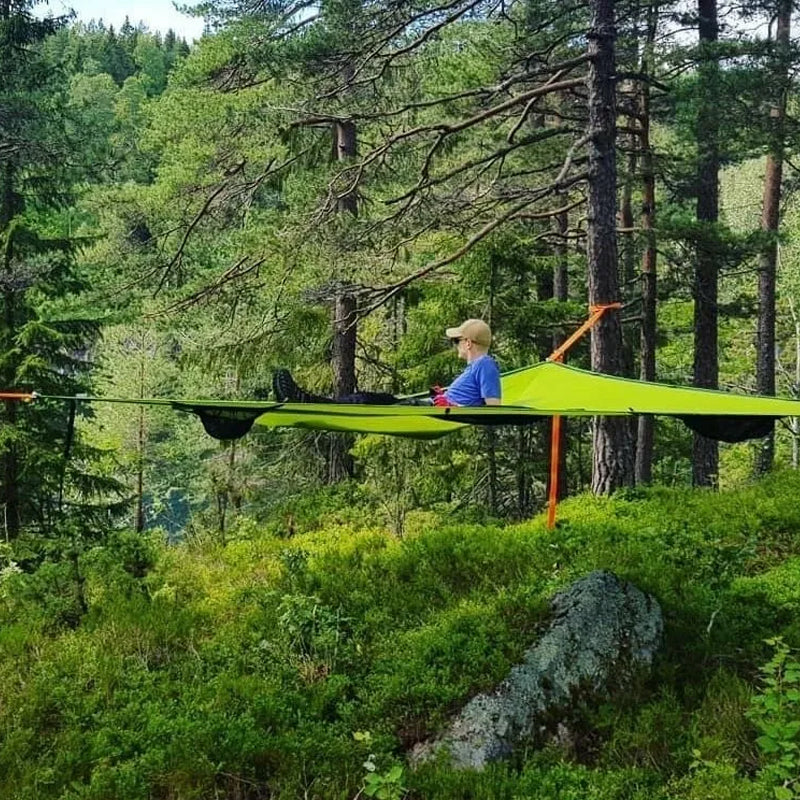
x: 306, y: 666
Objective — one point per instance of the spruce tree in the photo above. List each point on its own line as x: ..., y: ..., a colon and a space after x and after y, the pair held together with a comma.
x: 42, y: 346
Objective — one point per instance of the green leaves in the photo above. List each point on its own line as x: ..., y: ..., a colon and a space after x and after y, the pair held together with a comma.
x: 775, y: 711
x: 384, y: 786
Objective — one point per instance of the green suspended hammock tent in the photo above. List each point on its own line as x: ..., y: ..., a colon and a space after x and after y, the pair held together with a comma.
x: 544, y: 390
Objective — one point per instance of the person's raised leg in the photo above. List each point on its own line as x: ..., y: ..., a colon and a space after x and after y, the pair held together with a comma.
x: 287, y: 391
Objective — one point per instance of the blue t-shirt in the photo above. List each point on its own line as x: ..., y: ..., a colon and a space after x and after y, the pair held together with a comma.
x: 480, y: 379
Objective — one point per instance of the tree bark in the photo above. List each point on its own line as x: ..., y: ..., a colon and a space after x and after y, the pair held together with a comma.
x: 647, y: 365
x: 705, y: 452
x: 613, y: 449
x: 561, y: 294
x: 794, y: 422
x: 346, y: 150
x: 343, y: 357
x: 141, y: 438
x: 10, y: 490
x: 343, y: 365
x: 770, y: 222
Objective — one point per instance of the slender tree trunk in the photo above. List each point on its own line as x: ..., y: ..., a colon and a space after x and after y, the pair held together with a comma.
x: 343, y: 356
x: 523, y: 472
x: 561, y: 294
x: 138, y: 522
x: 647, y: 368
x: 705, y: 452
x: 78, y: 586
x: 628, y: 249
x: 770, y: 222
x: 795, y: 421
x: 626, y: 215
x: 491, y: 433
x: 10, y: 490
x: 613, y: 449
x: 222, y: 509
x: 234, y: 495
x: 628, y: 259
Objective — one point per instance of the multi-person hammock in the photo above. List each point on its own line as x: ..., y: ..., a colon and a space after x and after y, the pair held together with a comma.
x: 530, y: 394
x: 543, y: 390
x: 547, y: 389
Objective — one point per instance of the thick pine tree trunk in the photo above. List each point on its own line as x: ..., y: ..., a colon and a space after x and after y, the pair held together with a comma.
x: 770, y: 222
x: 343, y: 364
x: 343, y: 356
x: 613, y: 449
x: 705, y: 452
x: 647, y: 366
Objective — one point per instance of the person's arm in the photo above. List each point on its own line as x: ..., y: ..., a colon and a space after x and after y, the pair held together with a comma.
x: 489, y: 381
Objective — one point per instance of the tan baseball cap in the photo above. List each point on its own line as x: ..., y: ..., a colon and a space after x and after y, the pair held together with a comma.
x: 475, y: 329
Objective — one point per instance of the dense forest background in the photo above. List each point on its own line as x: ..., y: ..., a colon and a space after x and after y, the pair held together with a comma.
x: 326, y: 186
x: 180, y: 221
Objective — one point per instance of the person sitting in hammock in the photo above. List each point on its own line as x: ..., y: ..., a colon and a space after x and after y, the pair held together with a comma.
x: 477, y: 385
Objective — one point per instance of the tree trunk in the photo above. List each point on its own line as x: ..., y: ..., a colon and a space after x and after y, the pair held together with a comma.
x: 347, y: 149
x: 343, y: 364
x: 705, y: 452
x: 613, y: 449
x: 770, y: 222
x: 138, y: 518
x: 561, y: 294
x: 343, y: 356
x: 10, y: 490
x: 794, y: 422
x: 647, y: 367
x: 491, y: 433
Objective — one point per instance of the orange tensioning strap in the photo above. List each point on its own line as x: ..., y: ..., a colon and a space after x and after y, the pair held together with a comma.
x: 555, y: 437
x: 596, y: 312
x: 555, y: 448
x: 24, y: 397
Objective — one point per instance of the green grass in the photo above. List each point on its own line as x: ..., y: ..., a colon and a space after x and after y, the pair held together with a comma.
x: 244, y: 671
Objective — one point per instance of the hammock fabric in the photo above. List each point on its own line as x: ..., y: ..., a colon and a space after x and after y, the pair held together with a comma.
x: 530, y: 394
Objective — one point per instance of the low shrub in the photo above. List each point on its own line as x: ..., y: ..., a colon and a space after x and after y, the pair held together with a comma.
x: 243, y: 669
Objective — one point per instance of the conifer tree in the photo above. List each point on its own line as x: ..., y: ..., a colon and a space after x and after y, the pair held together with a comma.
x: 42, y: 346
x: 705, y: 459
x: 613, y: 448
x: 770, y: 219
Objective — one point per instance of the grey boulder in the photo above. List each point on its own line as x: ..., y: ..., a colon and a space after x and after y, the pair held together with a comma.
x: 603, y: 634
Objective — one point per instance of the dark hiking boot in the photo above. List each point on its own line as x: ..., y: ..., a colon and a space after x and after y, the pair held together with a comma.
x: 287, y: 391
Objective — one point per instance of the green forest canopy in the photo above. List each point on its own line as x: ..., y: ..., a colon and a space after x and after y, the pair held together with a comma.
x: 326, y: 187
x: 276, y: 196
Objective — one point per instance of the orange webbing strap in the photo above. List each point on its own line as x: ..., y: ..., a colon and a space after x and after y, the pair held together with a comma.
x: 555, y: 458
x: 23, y: 397
x: 596, y: 312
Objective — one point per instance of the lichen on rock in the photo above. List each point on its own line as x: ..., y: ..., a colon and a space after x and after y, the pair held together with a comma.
x: 604, y: 633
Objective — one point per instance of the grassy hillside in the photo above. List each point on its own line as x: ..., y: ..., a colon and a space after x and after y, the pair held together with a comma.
x: 299, y: 667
